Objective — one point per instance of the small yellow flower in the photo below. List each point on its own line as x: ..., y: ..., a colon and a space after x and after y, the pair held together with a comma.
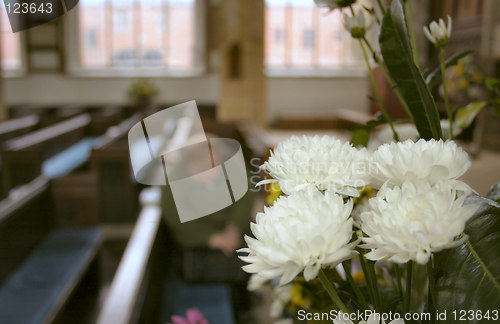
x: 359, y: 277
x: 477, y: 77
x: 298, y: 296
x: 452, y: 86
x: 463, y: 83
x: 274, y: 193
x: 365, y: 193
x: 459, y: 69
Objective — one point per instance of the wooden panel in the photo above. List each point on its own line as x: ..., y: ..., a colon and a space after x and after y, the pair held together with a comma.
x: 75, y: 199
x: 116, y: 193
x: 104, y: 118
x: 25, y: 218
x: 20, y: 167
x: 117, y: 198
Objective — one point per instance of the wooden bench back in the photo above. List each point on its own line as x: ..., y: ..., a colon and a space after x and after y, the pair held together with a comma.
x: 116, y: 190
x: 22, y: 157
x: 25, y: 218
x: 135, y: 293
x: 18, y: 126
x: 104, y: 117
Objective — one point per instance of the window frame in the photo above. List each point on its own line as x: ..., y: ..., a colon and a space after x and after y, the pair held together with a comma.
x: 72, y: 45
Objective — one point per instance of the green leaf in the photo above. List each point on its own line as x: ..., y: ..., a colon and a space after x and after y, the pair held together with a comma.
x: 396, y: 50
x: 494, y: 193
x: 360, y: 135
x: 433, y: 78
x: 468, y: 276
x: 493, y: 84
x: 465, y: 115
x: 496, y: 106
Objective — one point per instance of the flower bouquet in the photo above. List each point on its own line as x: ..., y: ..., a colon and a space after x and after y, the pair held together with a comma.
x: 388, y: 234
x: 142, y: 92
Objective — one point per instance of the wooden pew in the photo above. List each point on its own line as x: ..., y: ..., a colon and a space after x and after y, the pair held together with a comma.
x: 44, y: 112
x: 117, y: 191
x: 22, y: 157
x: 104, y: 117
x: 145, y: 289
x: 135, y: 293
x: 46, y: 272
x: 18, y: 126
x: 47, y: 114
x: 83, y: 198
x: 339, y: 119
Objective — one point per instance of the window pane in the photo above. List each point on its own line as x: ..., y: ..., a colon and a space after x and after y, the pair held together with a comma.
x: 94, y: 38
x: 275, y: 33
x: 181, y: 33
x: 153, y: 33
x: 11, y: 44
x: 300, y: 35
x: 333, y: 38
x: 124, y: 33
x: 137, y: 34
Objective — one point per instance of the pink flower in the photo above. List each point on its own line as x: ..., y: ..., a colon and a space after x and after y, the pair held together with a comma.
x: 193, y: 316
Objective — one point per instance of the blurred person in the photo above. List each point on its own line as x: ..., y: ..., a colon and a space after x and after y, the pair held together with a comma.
x: 206, y: 247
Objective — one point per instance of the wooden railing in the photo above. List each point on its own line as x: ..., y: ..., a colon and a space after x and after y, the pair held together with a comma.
x: 135, y: 292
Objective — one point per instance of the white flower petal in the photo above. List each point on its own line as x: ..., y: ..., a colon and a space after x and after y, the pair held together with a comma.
x: 303, y: 232
x: 439, y: 33
x: 432, y: 161
x: 412, y: 221
x: 324, y: 162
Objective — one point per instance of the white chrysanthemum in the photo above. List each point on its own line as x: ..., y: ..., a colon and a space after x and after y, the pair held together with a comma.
x: 374, y: 318
x: 324, y: 162
x: 432, y: 161
x: 438, y: 33
x: 411, y: 222
x: 306, y: 231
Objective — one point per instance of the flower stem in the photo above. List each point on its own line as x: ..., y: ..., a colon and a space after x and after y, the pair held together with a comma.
x: 332, y: 292
x: 398, y: 278
x: 409, y: 269
x: 430, y: 274
x: 445, y: 89
x: 354, y: 286
x: 373, y: 275
x: 381, y: 7
x: 377, y: 93
x: 367, y: 277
